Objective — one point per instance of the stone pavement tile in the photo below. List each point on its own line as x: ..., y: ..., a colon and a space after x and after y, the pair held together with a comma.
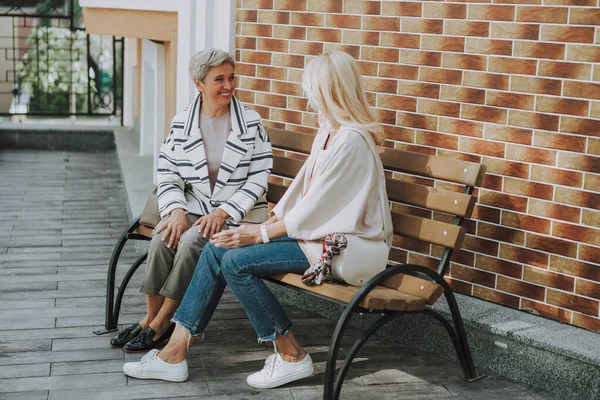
x: 29, y: 257
x: 51, y: 333
x: 54, y: 278
x: 162, y: 390
x: 16, y: 323
x: 24, y: 304
x: 236, y: 387
x: 13, y: 346
x: 88, y: 367
x: 86, y: 242
x: 54, y: 312
x: 6, y: 288
x: 42, y: 395
x: 28, y: 271
x: 92, y: 342
x: 35, y: 357
x: 91, y: 382
x: 406, y: 391
x: 60, y: 249
x: 25, y: 370
x: 22, y: 293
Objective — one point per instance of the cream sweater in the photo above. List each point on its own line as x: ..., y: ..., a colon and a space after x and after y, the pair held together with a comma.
x: 346, y: 193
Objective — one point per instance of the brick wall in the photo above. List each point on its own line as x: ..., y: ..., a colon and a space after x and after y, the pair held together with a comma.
x: 514, y: 84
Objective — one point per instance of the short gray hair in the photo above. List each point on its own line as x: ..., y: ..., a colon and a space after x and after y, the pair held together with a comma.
x: 205, y: 60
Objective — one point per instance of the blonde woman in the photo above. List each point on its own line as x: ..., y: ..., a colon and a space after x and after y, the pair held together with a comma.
x: 338, y: 189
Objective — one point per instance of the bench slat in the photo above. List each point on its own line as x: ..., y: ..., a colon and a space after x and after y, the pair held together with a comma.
x: 459, y: 204
x: 275, y: 192
x: 427, y: 230
x: 437, y: 167
x: 144, y: 231
x: 427, y: 290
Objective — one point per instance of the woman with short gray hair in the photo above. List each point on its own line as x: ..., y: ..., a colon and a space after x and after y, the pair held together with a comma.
x: 212, y: 174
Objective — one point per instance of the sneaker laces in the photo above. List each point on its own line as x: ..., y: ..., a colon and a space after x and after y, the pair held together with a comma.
x: 148, y: 358
x: 271, y: 362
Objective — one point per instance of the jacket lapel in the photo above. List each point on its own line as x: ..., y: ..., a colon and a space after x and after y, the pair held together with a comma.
x: 235, y: 149
x: 194, y: 146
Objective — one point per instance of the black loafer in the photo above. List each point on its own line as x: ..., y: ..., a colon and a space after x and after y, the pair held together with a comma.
x: 144, y: 342
x: 125, y: 335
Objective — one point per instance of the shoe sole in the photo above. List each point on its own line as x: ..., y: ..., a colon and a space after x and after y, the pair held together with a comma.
x: 281, y: 382
x: 157, y: 376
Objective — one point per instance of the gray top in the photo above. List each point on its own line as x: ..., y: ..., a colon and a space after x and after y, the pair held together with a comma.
x: 215, y: 131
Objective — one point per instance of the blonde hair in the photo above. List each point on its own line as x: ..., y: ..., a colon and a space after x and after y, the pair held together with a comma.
x: 333, y: 84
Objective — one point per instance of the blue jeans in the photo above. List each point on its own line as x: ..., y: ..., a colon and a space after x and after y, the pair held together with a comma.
x: 242, y: 270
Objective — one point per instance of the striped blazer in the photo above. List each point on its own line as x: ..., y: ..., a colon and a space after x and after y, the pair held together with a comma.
x: 241, y: 185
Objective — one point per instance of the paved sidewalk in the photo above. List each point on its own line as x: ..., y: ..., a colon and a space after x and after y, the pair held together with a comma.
x: 61, y: 215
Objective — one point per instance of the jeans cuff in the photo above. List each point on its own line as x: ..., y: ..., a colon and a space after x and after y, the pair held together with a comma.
x: 273, y: 336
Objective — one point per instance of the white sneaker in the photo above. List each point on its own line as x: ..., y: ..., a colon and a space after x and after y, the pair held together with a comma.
x: 152, y: 367
x: 277, y: 372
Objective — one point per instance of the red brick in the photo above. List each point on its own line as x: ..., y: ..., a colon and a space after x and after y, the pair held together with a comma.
x: 507, y: 168
x: 594, y: 146
x: 380, y: 85
x: 473, y: 275
x: 402, y: 8
x: 530, y: 154
x: 589, y: 289
x: 419, y: 89
x: 480, y: 245
x: 442, y: 43
x: 309, y: 48
x: 575, y: 268
x: 242, y: 69
x: 510, y: 100
x: 245, y: 96
x: 551, y: 33
x: 398, y: 71
x: 288, y: 60
x: 308, y: 19
x: 255, y: 84
x: 572, y: 302
x: 461, y: 127
x: 525, y: 222
x: 507, y: 134
x: 416, y: 121
x: 489, y: 46
x: 588, y: 253
x: 520, y: 288
x: 483, y: 147
x: 577, y: 233
x: 585, y: 16
x: 324, y: 35
x: 528, y: 188
x: 500, y: 233
x: 486, y: 214
x: 354, y: 51
x: 368, y: 68
x: 400, y: 40
x: 589, y: 323
x: 580, y: 125
x: 547, y: 311
x: 595, y: 110
x: 420, y: 57
x: 496, y: 297
x: 579, y: 162
x: 249, y: 29
x: 515, y: 31
x: 258, y: 4
x: 436, y: 140
x: 297, y: 103
x: 444, y: 10
x: 272, y: 100
x: 483, y: 80
x: 562, y: 106
x: 564, y: 70
x: 294, y: 89
x: 486, y: 114
x: 551, y: 245
x: 580, y: 52
x: 553, y: 210
x: 456, y: 285
x: 498, y: 266
x: 343, y: 21
x: 533, y: 120
x: 246, y: 15
x: 556, y: 176
x: 310, y: 119
x: 273, y: 45
x: 492, y: 182
x: 546, y: 278
x: 464, y: 61
x: 589, y: 3
x: 397, y: 102
x: 361, y: 37
x: 466, y: 28
x: 328, y: 6
x: 397, y: 133
x: 264, y: 112
x: 441, y: 76
x: 362, y: 7
x: 545, y: 15
x: 582, y: 89
x: 386, y: 116
x: 274, y: 17
x: 590, y: 218
x: 491, y: 12
x: 242, y: 42
x: 536, y: 85
x: 539, y: 50
x: 503, y: 200
x: 464, y: 95
x: 524, y: 256
x: 295, y: 5
x: 512, y: 66
x: 289, y: 32
x: 379, y: 54
x: 381, y: 24
x: 286, y: 116
x: 418, y: 25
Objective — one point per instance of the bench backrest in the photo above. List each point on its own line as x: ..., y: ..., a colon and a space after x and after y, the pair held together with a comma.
x: 419, y: 211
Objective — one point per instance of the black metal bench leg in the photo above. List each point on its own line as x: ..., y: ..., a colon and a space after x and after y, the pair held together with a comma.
x: 110, y: 322
x: 124, y: 284
x: 356, y: 348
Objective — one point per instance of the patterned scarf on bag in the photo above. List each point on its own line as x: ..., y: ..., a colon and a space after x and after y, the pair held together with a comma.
x: 333, y: 244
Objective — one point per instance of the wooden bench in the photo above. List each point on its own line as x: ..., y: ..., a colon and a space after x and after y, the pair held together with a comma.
x: 421, y: 213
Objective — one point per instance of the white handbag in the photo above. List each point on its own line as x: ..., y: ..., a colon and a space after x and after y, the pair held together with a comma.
x: 361, y: 260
